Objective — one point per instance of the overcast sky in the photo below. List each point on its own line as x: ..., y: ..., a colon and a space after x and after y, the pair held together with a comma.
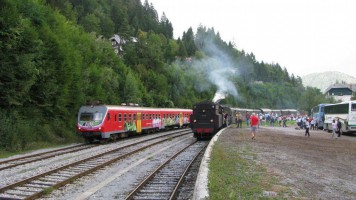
x: 305, y: 36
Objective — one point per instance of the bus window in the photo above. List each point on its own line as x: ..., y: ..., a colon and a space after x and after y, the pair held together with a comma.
x: 353, y: 107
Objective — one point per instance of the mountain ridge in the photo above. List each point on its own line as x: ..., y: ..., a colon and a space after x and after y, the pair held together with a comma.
x: 322, y: 80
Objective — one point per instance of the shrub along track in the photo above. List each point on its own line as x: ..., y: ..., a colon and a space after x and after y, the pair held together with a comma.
x: 44, y: 183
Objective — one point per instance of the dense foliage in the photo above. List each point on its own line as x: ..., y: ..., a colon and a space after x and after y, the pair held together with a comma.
x: 56, y: 54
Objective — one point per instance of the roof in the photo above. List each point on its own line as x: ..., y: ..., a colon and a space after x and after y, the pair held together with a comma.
x: 340, y: 86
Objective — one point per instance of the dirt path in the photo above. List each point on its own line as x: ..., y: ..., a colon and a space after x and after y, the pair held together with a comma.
x: 315, y: 167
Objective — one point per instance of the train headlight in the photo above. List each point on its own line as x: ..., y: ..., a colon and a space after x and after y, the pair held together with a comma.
x: 99, y: 128
x: 194, y: 120
x: 211, y: 120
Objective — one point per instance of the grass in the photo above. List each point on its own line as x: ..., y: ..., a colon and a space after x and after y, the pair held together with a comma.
x: 235, y: 175
x: 48, y: 190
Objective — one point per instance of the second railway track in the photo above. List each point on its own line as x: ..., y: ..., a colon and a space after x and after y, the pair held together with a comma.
x: 10, y: 163
x: 40, y: 184
x: 166, y: 180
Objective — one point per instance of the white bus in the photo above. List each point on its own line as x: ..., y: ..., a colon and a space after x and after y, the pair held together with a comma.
x: 345, y: 111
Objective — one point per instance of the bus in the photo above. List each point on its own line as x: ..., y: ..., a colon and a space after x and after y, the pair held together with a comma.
x: 317, y: 112
x: 345, y: 111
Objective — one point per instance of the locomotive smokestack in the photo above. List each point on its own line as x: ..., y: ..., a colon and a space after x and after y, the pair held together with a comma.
x: 219, y: 96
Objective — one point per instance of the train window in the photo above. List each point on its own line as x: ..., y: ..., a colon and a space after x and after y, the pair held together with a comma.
x: 134, y: 117
x: 115, y: 118
x: 150, y: 116
x: 130, y: 117
x: 91, y: 116
x: 120, y: 117
x: 147, y: 117
x: 125, y: 117
x: 108, y: 116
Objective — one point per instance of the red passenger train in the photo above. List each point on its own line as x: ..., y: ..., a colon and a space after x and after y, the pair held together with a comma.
x: 104, y: 122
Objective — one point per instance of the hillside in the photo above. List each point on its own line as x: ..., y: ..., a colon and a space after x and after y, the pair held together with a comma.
x: 323, y: 80
x: 57, y: 55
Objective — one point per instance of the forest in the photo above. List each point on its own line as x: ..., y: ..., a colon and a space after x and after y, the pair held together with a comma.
x: 56, y: 55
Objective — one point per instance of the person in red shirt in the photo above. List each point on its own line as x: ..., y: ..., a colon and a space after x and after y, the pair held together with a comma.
x: 254, y: 124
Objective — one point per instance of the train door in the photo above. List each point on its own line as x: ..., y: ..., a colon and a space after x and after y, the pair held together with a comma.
x: 181, y: 119
x: 138, y: 125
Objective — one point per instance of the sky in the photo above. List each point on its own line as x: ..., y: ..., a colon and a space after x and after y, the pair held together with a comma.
x: 304, y: 36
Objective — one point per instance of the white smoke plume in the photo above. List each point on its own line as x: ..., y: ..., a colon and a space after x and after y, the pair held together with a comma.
x: 220, y: 70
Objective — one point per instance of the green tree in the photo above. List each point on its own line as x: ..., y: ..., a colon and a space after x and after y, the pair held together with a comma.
x: 132, y: 93
x: 189, y: 42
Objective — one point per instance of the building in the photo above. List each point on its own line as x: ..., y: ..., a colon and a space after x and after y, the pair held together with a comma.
x: 341, y: 91
x: 117, y: 43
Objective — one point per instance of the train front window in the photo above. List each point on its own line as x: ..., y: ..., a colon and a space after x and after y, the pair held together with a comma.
x: 91, y: 119
x: 91, y: 116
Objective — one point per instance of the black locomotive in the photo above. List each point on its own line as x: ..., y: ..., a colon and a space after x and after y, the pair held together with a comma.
x: 206, y: 120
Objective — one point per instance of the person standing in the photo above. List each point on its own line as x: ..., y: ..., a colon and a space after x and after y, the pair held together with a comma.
x: 316, y: 126
x: 254, y: 124
x: 260, y: 120
x: 312, y: 124
x: 338, y: 127
x: 307, y: 126
x: 284, y: 121
x: 239, y: 120
x: 248, y: 116
x: 226, y: 119
x: 334, y: 125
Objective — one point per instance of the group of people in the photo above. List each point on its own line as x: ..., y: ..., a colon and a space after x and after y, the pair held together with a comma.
x: 313, y: 122
x: 307, y: 123
x: 251, y: 120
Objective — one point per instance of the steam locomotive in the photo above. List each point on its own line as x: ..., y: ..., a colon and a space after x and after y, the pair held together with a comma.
x: 207, y: 119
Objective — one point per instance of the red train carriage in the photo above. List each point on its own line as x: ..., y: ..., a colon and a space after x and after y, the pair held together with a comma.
x: 101, y: 122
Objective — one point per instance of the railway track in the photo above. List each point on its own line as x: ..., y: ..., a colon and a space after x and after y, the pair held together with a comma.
x: 186, y: 189
x: 6, y: 164
x: 166, y: 180
x: 38, y: 185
